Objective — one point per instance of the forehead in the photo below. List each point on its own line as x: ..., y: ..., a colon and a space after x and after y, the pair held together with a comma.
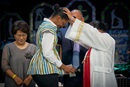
x: 19, y: 32
x: 76, y: 13
x: 64, y: 21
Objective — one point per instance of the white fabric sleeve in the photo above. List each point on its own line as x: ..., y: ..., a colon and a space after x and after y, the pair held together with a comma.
x: 47, y: 48
x: 88, y: 36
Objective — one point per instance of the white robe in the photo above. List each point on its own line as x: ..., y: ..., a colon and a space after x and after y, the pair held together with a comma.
x: 102, y: 53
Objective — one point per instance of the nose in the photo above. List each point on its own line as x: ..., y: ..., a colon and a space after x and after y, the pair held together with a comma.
x: 21, y: 37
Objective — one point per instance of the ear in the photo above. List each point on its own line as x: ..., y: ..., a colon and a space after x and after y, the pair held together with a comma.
x: 14, y: 35
x: 58, y: 17
x: 82, y: 19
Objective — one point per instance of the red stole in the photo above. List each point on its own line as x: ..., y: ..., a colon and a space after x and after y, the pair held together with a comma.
x: 86, y: 70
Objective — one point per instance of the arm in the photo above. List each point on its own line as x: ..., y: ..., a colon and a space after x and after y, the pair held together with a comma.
x: 47, y: 48
x: 5, y: 62
x: 6, y: 67
x: 87, y: 35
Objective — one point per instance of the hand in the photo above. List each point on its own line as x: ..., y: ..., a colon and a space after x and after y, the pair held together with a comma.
x: 67, y: 11
x: 27, y: 80
x: 68, y: 68
x: 18, y: 80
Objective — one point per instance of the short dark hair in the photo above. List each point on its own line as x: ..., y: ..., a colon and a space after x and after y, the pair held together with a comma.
x: 100, y: 25
x: 20, y: 25
x: 59, y: 11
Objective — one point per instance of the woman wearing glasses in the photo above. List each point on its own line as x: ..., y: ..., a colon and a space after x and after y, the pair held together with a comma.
x: 16, y: 57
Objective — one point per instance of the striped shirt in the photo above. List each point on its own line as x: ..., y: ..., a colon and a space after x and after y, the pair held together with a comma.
x: 42, y: 63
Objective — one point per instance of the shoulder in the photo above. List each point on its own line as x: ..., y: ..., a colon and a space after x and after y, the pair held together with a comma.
x: 47, y: 26
x: 109, y: 37
x: 9, y: 44
x: 32, y: 45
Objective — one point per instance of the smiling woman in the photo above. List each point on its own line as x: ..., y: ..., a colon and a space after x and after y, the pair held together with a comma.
x: 21, y: 35
x: 16, y: 57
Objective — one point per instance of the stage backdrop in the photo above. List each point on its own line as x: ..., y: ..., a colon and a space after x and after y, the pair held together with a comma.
x: 86, y: 7
x: 37, y: 15
x: 117, y: 15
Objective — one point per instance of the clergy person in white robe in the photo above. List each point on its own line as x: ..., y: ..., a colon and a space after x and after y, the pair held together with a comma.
x: 99, y: 62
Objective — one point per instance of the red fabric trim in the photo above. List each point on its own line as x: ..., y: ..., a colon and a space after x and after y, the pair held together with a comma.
x: 86, y: 70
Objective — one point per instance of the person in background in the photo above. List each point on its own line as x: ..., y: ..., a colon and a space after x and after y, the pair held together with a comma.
x: 46, y: 65
x: 16, y: 57
x: 98, y: 70
x: 69, y: 49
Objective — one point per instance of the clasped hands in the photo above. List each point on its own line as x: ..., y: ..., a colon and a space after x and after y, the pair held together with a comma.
x: 26, y: 81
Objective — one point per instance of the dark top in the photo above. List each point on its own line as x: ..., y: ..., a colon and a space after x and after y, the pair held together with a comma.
x: 67, y: 48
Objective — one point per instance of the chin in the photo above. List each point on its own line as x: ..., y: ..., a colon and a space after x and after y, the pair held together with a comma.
x: 21, y: 43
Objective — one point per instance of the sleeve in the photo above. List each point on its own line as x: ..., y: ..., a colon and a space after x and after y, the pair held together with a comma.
x: 88, y: 36
x: 5, y: 59
x: 47, y: 48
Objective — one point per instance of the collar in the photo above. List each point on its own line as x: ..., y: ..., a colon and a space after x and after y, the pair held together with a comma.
x: 48, y: 20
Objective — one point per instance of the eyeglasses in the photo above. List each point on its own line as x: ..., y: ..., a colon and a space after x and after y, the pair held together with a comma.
x: 21, y: 35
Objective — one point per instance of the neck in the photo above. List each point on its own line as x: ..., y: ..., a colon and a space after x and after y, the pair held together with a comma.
x: 101, y: 31
x: 52, y: 19
x: 21, y: 46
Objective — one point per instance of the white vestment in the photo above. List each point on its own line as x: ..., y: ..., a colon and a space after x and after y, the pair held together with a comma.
x: 102, y: 53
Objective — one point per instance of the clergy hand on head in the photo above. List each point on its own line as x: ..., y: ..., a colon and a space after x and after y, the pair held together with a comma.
x: 68, y: 13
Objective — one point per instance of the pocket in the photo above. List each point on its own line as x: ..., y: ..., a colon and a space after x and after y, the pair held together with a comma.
x: 102, y: 69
